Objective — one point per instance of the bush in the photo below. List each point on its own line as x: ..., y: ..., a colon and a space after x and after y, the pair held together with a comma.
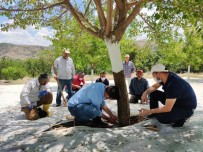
x: 13, y: 73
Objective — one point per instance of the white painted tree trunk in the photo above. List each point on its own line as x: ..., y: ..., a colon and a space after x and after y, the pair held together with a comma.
x: 115, y: 56
x: 92, y: 75
x: 188, y: 72
x: 119, y: 79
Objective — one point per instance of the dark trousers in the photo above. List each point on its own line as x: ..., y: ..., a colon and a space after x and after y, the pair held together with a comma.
x: 62, y: 84
x: 177, y: 113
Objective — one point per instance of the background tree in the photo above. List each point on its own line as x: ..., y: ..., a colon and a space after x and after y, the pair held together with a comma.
x: 107, y: 20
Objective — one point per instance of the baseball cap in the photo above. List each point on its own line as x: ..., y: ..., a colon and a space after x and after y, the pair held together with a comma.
x: 113, y: 92
x: 139, y: 71
x: 159, y: 68
x: 127, y: 55
x: 66, y: 51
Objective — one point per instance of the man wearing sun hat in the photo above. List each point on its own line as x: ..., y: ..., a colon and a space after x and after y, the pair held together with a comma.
x: 64, y: 72
x: 178, y: 98
x: 138, y: 85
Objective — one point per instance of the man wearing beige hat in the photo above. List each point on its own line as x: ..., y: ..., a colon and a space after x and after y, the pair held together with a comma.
x: 178, y: 98
x: 128, y: 68
x: 64, y: 71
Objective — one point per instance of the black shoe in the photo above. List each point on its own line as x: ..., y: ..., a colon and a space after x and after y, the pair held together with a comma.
x: 58, y: 105
x: 151, y: 116
x: 99, y: 123
x: 179, y: 123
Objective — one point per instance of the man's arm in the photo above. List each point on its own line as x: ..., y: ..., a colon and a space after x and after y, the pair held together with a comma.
x: 112, y: 118
x: 166, y: 108
x: 149, y: 90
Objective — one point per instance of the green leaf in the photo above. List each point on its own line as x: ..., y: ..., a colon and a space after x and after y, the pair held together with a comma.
x: 157, y: 16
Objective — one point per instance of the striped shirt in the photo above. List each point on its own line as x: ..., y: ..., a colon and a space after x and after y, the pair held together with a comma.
x: 137, y: 87
x: 128, y: 68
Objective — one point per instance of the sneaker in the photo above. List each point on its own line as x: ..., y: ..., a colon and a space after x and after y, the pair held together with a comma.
x: 179, y: 123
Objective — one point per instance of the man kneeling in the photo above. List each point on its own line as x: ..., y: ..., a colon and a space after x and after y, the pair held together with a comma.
x: 87, y: 104
x: 34, y: 94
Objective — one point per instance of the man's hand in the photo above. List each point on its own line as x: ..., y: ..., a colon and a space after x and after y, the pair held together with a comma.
x: 144, y: 112
x: 144, y: 98
x: 56, y: 77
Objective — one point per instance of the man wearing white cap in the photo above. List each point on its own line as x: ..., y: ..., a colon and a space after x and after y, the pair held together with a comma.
x: 178, y: 98
x: 128, y: 68
x: 64, y: 71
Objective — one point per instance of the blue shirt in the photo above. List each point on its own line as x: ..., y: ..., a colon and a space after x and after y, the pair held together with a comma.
x: 137, y: 87
x: 176, y: 87
x: 90, y: 94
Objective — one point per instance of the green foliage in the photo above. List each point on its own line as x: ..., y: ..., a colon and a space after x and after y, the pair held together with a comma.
x: 13, y: 73
x: 87, y: 52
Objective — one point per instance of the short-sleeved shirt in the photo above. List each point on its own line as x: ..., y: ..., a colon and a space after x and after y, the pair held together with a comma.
x: 105, y: 82
x: 128, y: 68
x: 30, y: 92
x: 176, y: 87
x: 90, y: 94
x: 137, y: 87
x: 65, y: 68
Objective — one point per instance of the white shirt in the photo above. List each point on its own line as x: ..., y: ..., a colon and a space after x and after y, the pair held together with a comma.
x: 65, y: 68
x: 30, y: 92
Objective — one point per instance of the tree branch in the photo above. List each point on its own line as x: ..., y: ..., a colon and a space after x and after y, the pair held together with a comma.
x: 87, y: 7
x: 109, y: 17
x: 75, y: 15
x: 30, y: 10
x: 100, y: 12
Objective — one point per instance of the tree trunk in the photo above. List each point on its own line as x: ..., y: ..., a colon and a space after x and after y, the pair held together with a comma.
x: 92, y: 75
x: 117, y: 69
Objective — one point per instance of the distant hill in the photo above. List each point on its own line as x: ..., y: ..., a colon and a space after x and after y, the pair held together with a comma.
x: 21, y: 52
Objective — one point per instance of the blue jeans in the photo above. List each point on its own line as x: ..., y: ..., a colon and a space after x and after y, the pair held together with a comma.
x: 68, y: 90
x: 84, y: 112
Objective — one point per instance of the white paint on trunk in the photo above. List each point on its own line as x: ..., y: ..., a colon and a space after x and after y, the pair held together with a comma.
x: 92, y: 75
x: 115, y: 55
x: 188, y: 72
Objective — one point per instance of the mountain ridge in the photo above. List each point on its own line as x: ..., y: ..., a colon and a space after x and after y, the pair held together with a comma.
x: 20, y: 52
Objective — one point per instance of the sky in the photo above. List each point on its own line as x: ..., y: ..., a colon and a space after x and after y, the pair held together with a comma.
x: 29, y: 36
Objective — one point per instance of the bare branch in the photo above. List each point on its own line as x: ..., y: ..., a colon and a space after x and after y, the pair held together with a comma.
x: 109, y: 17
x: 75, y: 15
x: 123, y: 25
x: 101, y: 15
x: 82, y: 17
x: 87, y: 7
x: 31, y: 10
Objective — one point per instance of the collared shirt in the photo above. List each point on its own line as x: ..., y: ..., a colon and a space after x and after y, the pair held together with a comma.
x: 137, y: 87
x: 90, y: 94
x: 30, y: 92
x: 179, y: 89
x: 128, y: 68
x: 65, y: 68
x: 105, y: 82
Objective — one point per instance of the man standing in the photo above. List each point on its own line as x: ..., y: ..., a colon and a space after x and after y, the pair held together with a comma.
x: 138, y: 85
x: 64, y: 72
x: 178, y: 98
x: 34, y: 94
x: 128, y: 68
x: 87, y: 104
